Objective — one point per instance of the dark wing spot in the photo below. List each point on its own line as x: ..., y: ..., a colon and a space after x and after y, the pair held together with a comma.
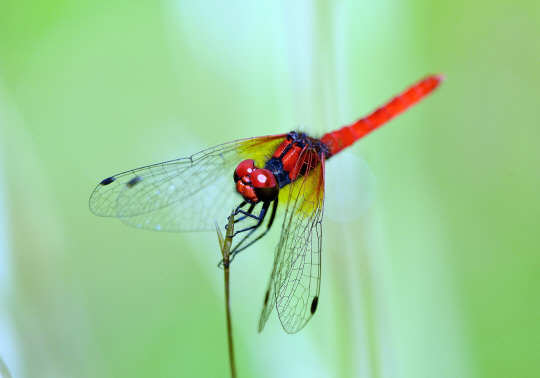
x: 314, y: 305
x: 266, y: 297
x: 107, y: 181
x: 134, y: 181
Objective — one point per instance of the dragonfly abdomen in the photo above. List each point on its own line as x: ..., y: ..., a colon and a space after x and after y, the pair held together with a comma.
x: 347, y: 135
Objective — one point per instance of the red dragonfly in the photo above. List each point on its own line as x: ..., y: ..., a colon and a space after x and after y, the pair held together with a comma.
x: 188, y: 194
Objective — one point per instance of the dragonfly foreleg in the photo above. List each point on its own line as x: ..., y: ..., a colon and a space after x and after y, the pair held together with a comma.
x: 259, y: 218
x: 245, y: 213
x: 238, y: 247
x: 252, y: 229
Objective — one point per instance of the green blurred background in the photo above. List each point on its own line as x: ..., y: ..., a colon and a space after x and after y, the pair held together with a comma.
x: 441, y: 276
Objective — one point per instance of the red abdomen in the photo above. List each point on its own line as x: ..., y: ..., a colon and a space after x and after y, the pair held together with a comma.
x: 346, y: 136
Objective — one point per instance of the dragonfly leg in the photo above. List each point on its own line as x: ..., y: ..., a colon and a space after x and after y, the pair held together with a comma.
x: 245, y: 213
x: 248, y: 213
x: 259, y: 218
x: 238, y: 248
x: 254, y: 228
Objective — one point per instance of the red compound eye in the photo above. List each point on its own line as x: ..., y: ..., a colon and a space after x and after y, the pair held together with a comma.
x: 265, y: 184
x: 244, y: 169
x: 263, y: 178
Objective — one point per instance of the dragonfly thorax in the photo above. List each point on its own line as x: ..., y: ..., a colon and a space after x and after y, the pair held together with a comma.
x: 255, y: 184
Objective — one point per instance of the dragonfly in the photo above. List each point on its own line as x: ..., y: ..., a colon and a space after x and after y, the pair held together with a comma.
x: 254, y: 177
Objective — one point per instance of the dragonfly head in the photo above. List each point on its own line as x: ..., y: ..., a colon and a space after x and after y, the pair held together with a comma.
x: 255, y: 184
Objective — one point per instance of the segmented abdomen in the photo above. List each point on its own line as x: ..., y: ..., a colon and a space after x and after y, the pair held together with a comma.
x: 347, y: 135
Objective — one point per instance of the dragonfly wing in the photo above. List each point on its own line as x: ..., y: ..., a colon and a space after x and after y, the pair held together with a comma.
x: 180, y: 195
x: 295, y: 280
x: 269, y: 301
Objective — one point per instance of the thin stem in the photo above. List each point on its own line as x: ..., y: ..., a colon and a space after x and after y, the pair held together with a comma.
x: 225, y: 246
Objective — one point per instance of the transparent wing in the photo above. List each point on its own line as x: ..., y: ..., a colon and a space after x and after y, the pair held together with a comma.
x: 184, y: 194
x: 295, y: 280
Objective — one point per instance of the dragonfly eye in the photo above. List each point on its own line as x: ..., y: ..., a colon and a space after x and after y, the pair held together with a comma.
x: 244, y: 169
x: 265, y: 184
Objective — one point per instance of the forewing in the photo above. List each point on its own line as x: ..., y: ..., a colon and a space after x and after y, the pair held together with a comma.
x: 295, y: 280
x: 180, y: 195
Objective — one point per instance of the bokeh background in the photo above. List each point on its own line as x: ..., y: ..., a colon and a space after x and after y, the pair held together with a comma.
x: 439, y: 278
